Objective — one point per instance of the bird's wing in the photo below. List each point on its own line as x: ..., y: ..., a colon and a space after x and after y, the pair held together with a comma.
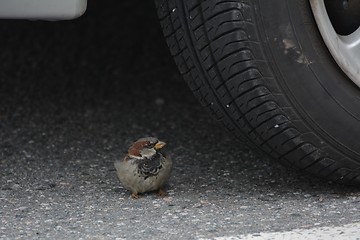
x: 150, y: 167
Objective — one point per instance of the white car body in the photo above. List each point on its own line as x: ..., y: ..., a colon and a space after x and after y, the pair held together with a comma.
x: 42, y: 9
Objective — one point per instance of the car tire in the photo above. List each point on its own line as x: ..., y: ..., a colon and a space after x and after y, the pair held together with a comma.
x: 262, y: 68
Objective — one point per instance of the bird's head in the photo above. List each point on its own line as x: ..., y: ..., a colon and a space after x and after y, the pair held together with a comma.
x: 145, y: 147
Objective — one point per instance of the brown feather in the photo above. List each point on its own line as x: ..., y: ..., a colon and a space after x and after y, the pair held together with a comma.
x: 134, y: 150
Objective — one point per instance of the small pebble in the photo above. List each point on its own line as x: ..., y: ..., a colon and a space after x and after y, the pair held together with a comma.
x: 159, y: 101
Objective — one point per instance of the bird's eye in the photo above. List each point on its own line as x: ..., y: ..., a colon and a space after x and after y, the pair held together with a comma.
x: 148, y: 145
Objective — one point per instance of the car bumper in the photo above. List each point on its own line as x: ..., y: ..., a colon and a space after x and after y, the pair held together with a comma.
x: 42, y: 9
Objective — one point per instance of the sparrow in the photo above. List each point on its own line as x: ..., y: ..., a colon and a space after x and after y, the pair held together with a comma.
x: 144, y: 168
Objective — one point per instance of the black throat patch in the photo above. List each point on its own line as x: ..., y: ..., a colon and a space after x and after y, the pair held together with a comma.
x: 149, y: 167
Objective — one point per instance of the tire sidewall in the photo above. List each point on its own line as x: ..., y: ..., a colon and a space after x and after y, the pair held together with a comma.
x: 317, y: 88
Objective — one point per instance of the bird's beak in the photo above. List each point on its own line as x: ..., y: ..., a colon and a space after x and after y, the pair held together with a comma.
x: 159, y: 145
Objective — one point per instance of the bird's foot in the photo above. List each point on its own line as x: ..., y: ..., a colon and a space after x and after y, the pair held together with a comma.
x: 162, y: 193
x: 135, y: 195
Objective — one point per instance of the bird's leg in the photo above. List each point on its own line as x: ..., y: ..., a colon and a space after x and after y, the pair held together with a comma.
x: 161, y: 193
x: 135, y: 195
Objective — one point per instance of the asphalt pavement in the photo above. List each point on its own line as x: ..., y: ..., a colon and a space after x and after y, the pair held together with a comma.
x: 75, y: 94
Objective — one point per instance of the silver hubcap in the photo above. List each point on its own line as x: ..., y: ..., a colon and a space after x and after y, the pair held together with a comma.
x: 345, y: 49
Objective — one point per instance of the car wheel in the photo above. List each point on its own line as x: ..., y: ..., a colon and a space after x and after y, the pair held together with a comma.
x: 266, y: 71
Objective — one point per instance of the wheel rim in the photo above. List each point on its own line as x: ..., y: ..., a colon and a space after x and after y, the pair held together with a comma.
x: 345, y: 49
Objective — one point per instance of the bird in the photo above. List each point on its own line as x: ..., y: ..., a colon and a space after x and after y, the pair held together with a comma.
x: 145, y: 167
